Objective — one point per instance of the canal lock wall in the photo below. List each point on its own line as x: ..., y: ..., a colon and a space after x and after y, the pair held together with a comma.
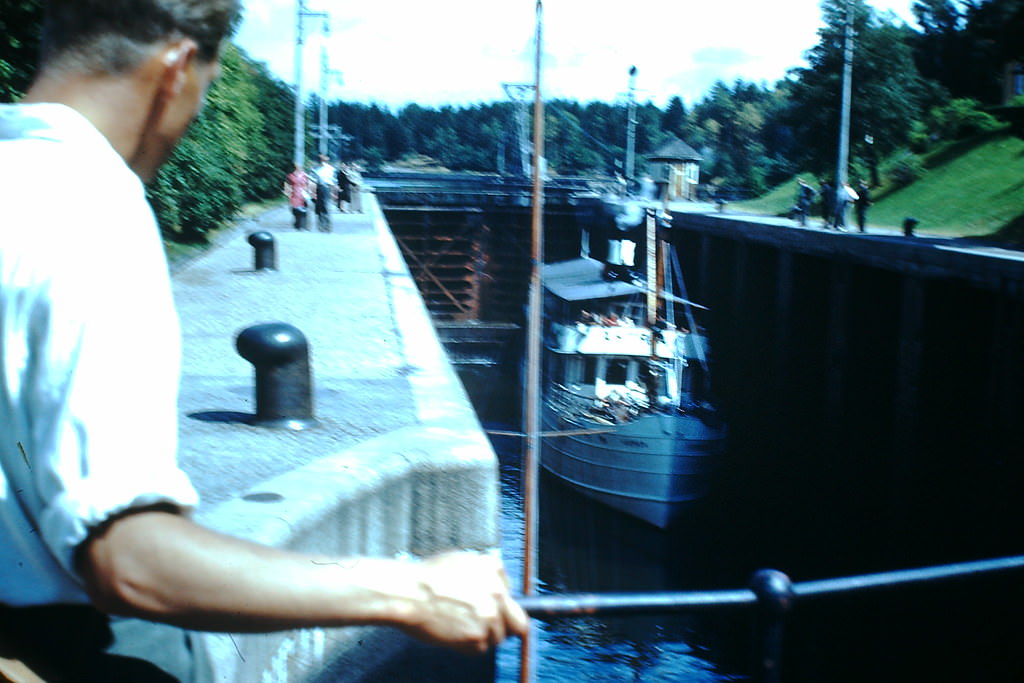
x: 395, y: 464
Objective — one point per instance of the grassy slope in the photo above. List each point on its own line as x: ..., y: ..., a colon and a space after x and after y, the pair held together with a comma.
x: 971, y: 188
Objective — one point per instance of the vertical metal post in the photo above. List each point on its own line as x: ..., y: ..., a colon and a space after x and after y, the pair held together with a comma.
x: 299, y: 156
x: 279, y: 353
x: 844, y: 120
x: 322, y: 148
x: 532, y: 454
x: 651, y: 268
x: 631, y: 132
x: 300, y: 113
x: 264, y: 252
x: 774, y: 593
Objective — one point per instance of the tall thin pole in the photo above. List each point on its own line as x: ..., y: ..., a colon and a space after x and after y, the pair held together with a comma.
x: 532, y: 402
x: 630, y: 169
x: 300, y: 114
x: 323, y: 89
x: 844, y: 120
x: 300, y: 106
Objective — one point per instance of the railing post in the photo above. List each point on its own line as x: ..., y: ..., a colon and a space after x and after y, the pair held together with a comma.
x: 284, y: 388
x: 264, y: 256
x: 774, y: 593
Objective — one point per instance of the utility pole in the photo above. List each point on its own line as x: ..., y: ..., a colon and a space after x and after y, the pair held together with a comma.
x: 323, y: 89
x: 300, y: 107
x: 519, y: 92
x: 844, y: 120
x: 631, y: 131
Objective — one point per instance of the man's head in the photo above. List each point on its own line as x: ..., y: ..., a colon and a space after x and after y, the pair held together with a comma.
x: 116, y: 36
x: 138, y: 69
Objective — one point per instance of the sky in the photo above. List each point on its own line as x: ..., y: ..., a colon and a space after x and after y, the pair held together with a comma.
x: 460, y: 52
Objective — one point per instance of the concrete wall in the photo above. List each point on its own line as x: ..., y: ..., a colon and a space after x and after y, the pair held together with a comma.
x: 399, y: 463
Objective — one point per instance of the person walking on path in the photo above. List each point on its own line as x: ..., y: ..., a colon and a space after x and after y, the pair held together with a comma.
x: 324, y: 178
x: 861, y: 204
x: 804, y: 198
x: 344, y: 187
x: 828, y: 197
x: 297, y: 187
x: 355, y: 182
x: 95, y: 511
x: 844, y: 196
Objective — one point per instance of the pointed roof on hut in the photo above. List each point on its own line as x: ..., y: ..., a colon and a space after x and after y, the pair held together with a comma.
x: 675, y: 150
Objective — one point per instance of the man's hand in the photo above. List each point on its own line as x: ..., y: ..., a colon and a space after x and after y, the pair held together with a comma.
x: 466, y: 604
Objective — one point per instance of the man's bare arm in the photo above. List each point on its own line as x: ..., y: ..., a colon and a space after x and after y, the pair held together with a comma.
x: 160, y: 566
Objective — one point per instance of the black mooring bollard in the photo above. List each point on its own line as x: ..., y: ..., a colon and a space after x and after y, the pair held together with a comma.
x: 264, y: 256
x: 908, y: 226
x: 284, y: 388
x: 774, y: 593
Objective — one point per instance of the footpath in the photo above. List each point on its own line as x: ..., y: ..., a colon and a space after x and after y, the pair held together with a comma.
x: 397, y: 462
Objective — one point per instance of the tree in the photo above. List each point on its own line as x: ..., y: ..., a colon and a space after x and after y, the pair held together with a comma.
x: 674, y: 120
x: 730, y: 130
x: 20, y: 22
x: 994, y: 29
x: 889, y: 94
x: 237, y: 150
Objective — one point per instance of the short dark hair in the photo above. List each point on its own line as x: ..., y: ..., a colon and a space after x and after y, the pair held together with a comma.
x: 114, y: 35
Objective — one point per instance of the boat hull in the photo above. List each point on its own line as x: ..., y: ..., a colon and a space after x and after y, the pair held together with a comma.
x: 652, y: 468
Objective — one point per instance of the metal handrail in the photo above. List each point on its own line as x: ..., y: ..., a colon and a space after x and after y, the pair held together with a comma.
x: 771, y: 590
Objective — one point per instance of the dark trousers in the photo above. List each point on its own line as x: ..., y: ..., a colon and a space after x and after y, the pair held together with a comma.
x: 77, y: 644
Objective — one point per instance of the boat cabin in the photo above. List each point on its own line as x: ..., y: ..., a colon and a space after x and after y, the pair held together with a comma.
x: 601, y: 352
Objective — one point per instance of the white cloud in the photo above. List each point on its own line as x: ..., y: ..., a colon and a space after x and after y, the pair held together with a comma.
x: 461, y: 51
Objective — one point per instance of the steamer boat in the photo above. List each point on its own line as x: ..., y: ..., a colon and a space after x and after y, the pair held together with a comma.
x: 626, y: 412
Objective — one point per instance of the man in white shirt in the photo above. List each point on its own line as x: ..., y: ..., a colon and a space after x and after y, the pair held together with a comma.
x: 324, y: 175
x: 93, y: 508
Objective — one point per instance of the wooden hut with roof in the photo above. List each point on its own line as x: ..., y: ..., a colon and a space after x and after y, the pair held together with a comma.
x: 675, y: 167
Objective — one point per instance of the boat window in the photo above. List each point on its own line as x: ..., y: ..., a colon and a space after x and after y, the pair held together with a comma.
x: 555, y: 369
x: 589, y: 370
x: 617, y: 371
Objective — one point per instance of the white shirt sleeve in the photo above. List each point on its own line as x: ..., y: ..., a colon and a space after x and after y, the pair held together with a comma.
x: 110, y: 355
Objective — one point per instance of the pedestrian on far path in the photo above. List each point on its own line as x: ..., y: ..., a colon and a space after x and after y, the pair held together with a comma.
x: 297, y: 187
x: 344, y: 194
x: 828, y: 199
x: 355, y: 188
x: 844, y: 196
x: 323, y: 175
x: 804, y: 196
x: 862, y: 203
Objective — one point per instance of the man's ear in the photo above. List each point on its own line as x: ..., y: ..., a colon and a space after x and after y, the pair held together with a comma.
x: 176, y: 59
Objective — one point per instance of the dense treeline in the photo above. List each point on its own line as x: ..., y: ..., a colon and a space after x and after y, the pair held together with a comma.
x: 911, y: 87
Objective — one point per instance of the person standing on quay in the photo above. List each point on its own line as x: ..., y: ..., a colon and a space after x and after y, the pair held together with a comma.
x: 861, y: 204
x: 355, y: 188
x: 324, y: 177
x: 804, y: 197
x: 344, y: 187
x: 297, y: 187
x: 844, y: 195
x: 828, y: 198
x: 94, y: 510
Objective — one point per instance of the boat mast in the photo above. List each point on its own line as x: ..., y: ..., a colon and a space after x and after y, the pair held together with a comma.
x: 532, y: 407
x: 651, y: 268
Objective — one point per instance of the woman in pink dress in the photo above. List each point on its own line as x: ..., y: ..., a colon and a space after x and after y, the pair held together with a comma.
x: 297, y: 187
